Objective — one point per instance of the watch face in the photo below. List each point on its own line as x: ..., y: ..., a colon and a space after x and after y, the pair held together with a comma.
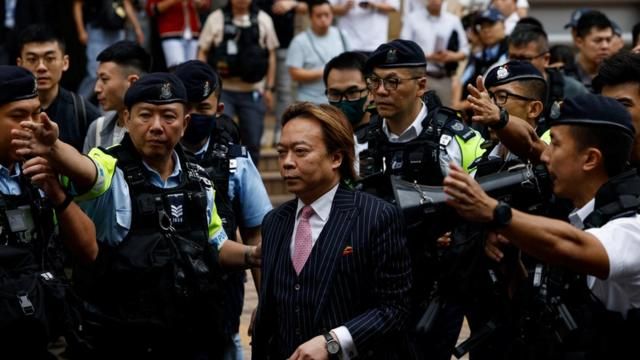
x: 333, y: 347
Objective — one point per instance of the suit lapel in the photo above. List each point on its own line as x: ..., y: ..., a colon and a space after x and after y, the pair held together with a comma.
x: 332, y: 241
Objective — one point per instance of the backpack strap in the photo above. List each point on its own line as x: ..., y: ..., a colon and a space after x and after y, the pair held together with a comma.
x: 80, y: 112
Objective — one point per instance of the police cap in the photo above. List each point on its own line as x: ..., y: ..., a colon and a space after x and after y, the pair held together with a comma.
x: 575, y: 17
x: 595, y: 110
x: 396, y: 54
x: 199, y: 79
x: 515, y: 70
x: 491, y: 15
x: 16, y: 83
x: 156, y: 88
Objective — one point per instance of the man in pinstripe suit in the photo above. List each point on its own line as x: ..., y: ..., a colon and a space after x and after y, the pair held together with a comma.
x: 336, y: 272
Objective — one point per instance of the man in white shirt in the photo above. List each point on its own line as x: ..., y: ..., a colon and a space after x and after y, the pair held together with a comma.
x: 509, y: 9
x: 442, y: 38
x: 365, y: 23
x: 312, y: 49
x: 587, y: 162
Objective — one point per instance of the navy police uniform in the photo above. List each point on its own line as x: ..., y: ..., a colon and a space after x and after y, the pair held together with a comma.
x: 436, y: 137
x: 150, y: 290
x: 241, y: 198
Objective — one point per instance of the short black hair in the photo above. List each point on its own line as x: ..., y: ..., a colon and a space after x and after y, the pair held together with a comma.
x: 621, y: 68
x: 530, y: 20
x: 469, y: 20
x: 590, y: 20
x: 534, y: 89
x: 635, y: 34
x: 39, y: 33
x: 314, y: 3
x: 614, y: 145
x: 561, y: 53
x: 348, y: 60
x: 129, y: 54
x: 523, y: 34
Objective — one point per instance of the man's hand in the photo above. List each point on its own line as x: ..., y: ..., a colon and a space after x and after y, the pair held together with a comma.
x: 43, y: 176
x: 467, y: 197
x: 314, y: 349
x: 35, y: 138
x: 282, y: 7
x: 485, y: 111
x: 493, y: 246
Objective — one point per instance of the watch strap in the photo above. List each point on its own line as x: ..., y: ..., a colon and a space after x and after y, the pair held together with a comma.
x: 503, y: 121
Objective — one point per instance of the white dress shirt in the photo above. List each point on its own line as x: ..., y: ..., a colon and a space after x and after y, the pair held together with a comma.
x: 432, y: 33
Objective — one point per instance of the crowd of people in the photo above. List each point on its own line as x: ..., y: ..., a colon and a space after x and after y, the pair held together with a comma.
x: 468, y: 169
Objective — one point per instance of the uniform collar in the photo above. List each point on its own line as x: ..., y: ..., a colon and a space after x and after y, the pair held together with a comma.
x: 412, y: 131
x: 576, y: 218
x: 177, y: 170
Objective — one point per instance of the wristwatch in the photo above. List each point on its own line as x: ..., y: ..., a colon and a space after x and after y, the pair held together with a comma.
x: 333, y: 346
x: 502, y: 122
x: 501, y: 215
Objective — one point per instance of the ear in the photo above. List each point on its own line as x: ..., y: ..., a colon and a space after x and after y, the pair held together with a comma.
x: 19, y: 61
x: 219, y: 108
x: 546, y: 58
x: 187, y: 119
x: 127, y: 118
x: 535, y: 109
x: 422, y: 86
x: 132, y: 78
x: 65, y: 63
x: 579, y: 41
x: 336, y: 160
x: 592, y: 160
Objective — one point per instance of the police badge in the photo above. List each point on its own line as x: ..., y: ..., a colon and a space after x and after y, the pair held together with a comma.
x: 165, y: 91
x: 206, y: 90
x: 392, y: 57
x: 502, y: 73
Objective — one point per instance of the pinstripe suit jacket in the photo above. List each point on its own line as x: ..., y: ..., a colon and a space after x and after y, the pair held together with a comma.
x: 364, y: 288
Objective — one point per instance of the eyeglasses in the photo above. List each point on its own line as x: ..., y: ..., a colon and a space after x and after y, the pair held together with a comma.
x: 500, y: 97
x: 527, y: 58
x: 353, y: 94
x: 389, y: 84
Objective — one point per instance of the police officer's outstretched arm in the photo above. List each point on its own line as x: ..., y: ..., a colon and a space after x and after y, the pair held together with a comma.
x: 517, y: 135
x: 41, y: 139
x: 550, y: 240
x: 77, y: 230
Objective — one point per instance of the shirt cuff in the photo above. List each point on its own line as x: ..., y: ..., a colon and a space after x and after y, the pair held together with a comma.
x: 346, y: 343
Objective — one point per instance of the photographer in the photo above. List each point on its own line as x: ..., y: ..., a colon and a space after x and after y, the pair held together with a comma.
x: 587, y: 160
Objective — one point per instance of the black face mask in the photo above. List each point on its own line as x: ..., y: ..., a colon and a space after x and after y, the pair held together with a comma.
x: 353, y: 110
x: 199, y: 128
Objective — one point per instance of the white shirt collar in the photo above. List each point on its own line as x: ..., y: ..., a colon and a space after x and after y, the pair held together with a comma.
x: 576, y: 218
x: 322, y: 205
x: 411, y: 132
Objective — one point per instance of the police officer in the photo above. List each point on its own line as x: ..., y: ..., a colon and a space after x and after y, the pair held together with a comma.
x: 516, y: 88
x: 28, y: 226
x: 241, y: 198
x: 158, y: 230
x: 417, y: 142
x: 588, y: 163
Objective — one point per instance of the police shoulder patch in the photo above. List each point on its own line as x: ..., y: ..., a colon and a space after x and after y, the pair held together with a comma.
x: 460, y: 129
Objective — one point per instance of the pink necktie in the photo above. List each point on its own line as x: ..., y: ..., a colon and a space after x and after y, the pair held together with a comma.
x: 303, y: 245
